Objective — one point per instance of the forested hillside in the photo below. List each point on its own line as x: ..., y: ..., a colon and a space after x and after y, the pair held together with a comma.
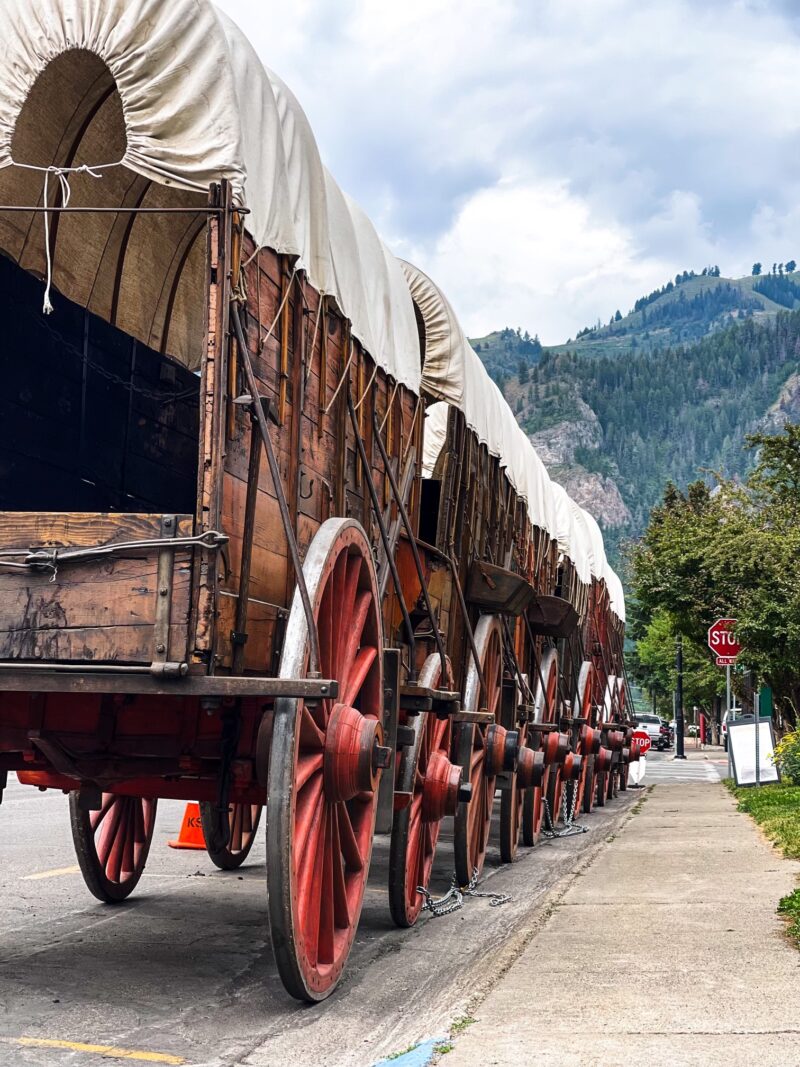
x: 615, y: 424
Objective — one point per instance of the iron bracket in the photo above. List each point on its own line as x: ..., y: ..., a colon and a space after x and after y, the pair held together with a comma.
x: 391, y: 715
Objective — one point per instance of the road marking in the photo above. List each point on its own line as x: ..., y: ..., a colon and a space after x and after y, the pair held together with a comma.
x: 101, y: 1050
x: 50, y: 874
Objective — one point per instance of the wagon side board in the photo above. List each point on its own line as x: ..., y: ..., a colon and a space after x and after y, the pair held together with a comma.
x: 104, y: 610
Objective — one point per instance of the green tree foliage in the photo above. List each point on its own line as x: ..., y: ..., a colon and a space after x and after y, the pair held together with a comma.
x: 779, y: 288
x: 756, y: 270
x: 657, y: 652
x: 731, y: 553
x: 671, y: 414
x: 791, y: 266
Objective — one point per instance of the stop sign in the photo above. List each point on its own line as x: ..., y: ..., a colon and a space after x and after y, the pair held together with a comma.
x: 722, y: 642
x: 643, y: 738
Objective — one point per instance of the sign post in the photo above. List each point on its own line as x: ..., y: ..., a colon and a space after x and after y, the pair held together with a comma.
x: 679, y: 722
x: 722, y: 642
x: 728, y: 720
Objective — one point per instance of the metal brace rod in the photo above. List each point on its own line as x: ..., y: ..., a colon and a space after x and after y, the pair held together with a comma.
x: 510, y: 651
x: 412, y: 538
x: 376, y: 507
x: 55, y: 557
x: 537, y: 661
x: 453, y: 567
x: 258, y: 413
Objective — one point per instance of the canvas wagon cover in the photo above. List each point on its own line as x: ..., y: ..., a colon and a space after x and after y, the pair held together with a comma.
x: 199, y: 106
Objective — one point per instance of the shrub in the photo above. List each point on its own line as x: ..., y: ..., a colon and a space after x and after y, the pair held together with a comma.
x: 787, y: 757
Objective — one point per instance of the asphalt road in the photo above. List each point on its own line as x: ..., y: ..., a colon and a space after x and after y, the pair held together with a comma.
x: 706, y: 765
x: 183, y: 971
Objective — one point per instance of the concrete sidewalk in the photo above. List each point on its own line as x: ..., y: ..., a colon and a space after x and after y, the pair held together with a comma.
x: 667, y: 950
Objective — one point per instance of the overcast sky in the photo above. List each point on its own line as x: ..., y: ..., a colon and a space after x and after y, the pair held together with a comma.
x: 549, y: 161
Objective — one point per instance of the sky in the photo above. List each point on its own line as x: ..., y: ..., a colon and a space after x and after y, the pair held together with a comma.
x: 549, y: 161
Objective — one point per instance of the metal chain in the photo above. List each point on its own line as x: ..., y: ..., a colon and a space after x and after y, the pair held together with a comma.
x: 570, y: 828
x: 453, y: 899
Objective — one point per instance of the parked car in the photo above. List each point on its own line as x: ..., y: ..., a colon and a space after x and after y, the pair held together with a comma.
x: 656, y: 731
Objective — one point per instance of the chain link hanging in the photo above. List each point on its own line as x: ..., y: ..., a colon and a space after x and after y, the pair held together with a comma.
x: 570, y: 827
x: 453, y: 899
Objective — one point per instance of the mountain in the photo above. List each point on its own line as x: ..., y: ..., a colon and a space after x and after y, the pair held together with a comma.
x: 667, y: 392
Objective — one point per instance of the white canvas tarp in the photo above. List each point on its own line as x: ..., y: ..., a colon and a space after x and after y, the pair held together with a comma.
x: 198, y: 106
x: 572, y: 539
x: 616, y: 593
x: 453, y: 374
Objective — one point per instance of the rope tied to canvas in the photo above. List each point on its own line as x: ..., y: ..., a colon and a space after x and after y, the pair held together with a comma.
x: 62, y: 174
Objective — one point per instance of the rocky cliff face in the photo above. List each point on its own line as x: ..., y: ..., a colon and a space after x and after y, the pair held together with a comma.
x: 785, y: 409
x: 597, y: 493
x: 595, y: 490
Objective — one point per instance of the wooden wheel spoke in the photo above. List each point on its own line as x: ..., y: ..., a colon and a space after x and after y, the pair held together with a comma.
x: 415, y: 834
x: 109, y: 832
x: 96, y: 817
x: 235, y: 843
x: 128, y: 864
x: 311, y: 901
x: 336, y: 595
x: 308, y: 764
x: 352, y: 640
x: 309, y: 827
x: 361, y: 668
x: 325, y: 942
x: 311, y: 736
x: 349, y: 843
x: 341, y: 910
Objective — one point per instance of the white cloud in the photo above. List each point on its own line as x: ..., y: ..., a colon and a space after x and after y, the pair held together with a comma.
x: 530, y: 251
x: 635, y: 139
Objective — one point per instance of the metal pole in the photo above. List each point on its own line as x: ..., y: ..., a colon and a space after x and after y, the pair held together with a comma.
x: 679, y: 748
x: 728, y: 717
x: 757, y: 714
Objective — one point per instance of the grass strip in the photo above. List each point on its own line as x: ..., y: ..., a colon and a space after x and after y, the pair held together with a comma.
x: 776, y: 809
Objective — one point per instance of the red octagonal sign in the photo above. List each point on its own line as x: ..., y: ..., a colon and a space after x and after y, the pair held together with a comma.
x: 722, y: 642
x: 642, y: 737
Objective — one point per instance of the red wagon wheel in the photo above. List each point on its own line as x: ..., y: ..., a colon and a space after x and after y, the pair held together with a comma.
x: 243, y: 822
x: 586, y: 783
x: 425, y: 772
x: 324, y: 767
x: 511, y: 800
x: 112, y: 844
x: 545, y: 711
x: 472, y: 821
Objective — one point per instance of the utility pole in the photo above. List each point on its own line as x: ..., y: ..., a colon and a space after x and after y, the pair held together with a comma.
x: 679, y: 751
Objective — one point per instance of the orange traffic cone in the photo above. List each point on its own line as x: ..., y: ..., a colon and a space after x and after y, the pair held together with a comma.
x: 191, y: 833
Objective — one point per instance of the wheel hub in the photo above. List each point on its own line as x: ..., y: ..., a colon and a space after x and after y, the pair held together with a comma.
x: 590, y: 740
x: 572, y: 767
x: 354, y: 754
x: 530, y: 768
x: 602, y: 760
x: 440, y: 794
x: 502, y: 748
x: 556, y: 747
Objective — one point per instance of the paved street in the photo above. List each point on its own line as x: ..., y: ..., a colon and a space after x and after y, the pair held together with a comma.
x: 183, y: 972
x: 668, y: 949
x: 708, y: 765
